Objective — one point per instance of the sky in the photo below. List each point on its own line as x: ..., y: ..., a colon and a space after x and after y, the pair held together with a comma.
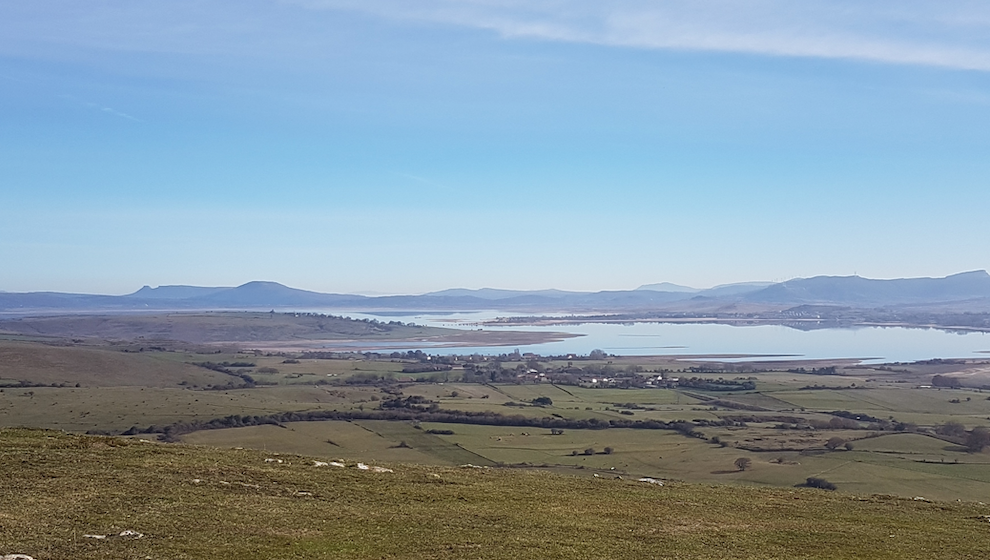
x: 389, y: 146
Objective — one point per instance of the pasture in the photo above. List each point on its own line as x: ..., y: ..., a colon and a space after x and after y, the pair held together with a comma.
x: 183, y: 502
x: 781, y: 423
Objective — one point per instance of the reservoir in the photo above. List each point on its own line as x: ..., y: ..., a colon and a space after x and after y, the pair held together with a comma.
x: 731, y: 343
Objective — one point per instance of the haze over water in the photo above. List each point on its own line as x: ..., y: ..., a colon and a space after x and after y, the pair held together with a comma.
x: 874, y: 344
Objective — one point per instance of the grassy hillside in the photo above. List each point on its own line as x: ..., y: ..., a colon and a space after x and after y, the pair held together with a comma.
x: 212, y: 327
x: 42, y: 364
x: 198, y: 502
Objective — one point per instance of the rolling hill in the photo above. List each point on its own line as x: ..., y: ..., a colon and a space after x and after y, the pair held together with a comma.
x: 851, y: 291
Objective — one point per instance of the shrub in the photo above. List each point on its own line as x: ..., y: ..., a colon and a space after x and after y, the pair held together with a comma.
x: 821, y: 483
x: 743, y: 463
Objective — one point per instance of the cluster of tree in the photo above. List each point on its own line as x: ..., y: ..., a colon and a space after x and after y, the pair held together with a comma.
x: 854, y: 416
x: 951, y: 429
x: 817, y: 387
x: 978, y: 439
x: 591, y: 451
x: 821, y: 483
x: 224, y: 367
x: 719, y: 384
x: 741, y: 420
x: 944, y: 381
x: 412, y: 402
x: 975, y: 440
x: 441, y: 432
x: 834, y: 423
x: 487, y: 418
x: 843, y: 420
x: 836, y: 442
x: 830, y: 370
x: 24, y: 383
x: 424, y: 368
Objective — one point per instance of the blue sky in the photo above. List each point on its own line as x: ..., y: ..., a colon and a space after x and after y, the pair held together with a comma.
x: 387, y: 146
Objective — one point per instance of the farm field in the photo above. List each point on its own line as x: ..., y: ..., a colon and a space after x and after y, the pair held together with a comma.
x: 781, y: 421
x: 658, y: 454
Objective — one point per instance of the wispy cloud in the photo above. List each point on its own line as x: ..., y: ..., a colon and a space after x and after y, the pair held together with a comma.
x: 947, y: 33
x: 120, y: 114
x: 101, y: 108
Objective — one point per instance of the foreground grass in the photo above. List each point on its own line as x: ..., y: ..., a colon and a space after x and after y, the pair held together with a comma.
x: 197, y: 502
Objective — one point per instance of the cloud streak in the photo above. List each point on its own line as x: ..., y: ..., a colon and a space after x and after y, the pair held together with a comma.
x: 948, y: 33
x: 101, y: 108
x: 943, y: 33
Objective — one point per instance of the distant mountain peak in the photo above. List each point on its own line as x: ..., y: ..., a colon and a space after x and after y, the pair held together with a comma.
x: 174, y: 292
x: 669, y: 287
x: 855, y: 290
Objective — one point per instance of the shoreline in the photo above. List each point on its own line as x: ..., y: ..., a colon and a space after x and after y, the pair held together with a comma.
x: 729, y: 321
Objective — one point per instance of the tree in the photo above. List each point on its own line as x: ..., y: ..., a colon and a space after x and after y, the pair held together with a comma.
x: 543, y: 401
x: 608, y: 450
x: 979, y: 437
x: 951, y: 429
x: 597, y: 354
x: 834, y: 443
x: 589, y: 451
x: 743, y: 463
x: 943, y: 381
x: 848, y: 446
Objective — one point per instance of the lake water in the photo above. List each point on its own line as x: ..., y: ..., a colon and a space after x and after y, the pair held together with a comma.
x: 872, y: 344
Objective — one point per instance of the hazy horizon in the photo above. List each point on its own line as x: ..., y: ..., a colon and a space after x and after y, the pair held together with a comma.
x: 479, y: 288
x: 391, y: 147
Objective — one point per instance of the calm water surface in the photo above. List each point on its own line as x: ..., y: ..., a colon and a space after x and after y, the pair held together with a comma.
x: 880, y: 344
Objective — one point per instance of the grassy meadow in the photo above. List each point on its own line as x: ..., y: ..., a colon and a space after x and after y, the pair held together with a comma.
x: 59, y: 492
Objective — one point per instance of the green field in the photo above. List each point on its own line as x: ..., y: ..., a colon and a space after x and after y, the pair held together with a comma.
x: 198, y: 502
x: 920, y: 466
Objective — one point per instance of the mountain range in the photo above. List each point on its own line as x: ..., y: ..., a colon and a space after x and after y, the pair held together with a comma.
x: 966, y: 291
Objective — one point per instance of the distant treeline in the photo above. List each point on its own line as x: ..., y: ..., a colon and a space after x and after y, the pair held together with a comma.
x: 717, y: 384
x: 171, y: 432
x: 224, y: 367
